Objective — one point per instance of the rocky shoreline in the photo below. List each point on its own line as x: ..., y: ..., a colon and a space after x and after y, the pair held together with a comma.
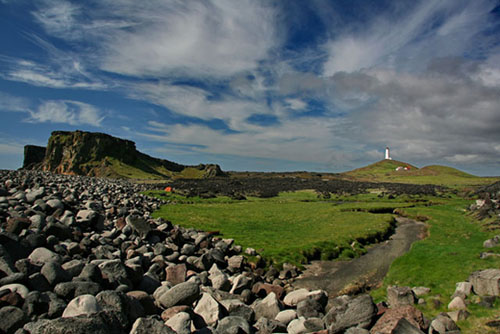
x: 83, y: 255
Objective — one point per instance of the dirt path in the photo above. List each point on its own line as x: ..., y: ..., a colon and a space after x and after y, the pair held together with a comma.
x: 339, y: 277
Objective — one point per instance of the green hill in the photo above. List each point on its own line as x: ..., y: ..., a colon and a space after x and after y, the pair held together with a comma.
x: 386, y: 171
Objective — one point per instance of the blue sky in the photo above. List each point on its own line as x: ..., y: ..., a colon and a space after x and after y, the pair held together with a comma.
x: 258, y: 85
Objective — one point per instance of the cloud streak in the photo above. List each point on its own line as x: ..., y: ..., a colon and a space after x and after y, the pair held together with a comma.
x: 397, y: 42
x: 160, y: 38
x: 69, y: 112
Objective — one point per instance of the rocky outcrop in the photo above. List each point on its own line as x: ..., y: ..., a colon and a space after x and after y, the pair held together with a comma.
x: 33, y: 156
x: 99, y: 154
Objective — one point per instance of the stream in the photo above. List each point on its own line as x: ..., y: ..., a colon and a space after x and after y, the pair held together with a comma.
x: 365, y: 272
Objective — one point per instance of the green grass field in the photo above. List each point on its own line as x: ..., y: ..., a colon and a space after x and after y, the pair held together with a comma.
x: 448, y: 255
x: 292, y: 227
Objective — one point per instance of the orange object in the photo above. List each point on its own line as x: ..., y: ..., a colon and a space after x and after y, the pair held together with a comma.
x: 168, y: 189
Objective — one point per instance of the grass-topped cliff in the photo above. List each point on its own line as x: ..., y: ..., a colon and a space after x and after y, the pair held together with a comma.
x: 99, y: 154
x: 386, y: 171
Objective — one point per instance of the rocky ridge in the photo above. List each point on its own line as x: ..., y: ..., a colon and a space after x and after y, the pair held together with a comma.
x: 83, y: 255
x: 99, y: 154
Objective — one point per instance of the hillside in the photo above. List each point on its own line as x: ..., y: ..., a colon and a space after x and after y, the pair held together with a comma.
x: 102, y: 155
x: 385, y: 171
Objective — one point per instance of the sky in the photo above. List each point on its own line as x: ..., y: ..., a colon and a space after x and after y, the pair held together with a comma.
x: 256, y: 85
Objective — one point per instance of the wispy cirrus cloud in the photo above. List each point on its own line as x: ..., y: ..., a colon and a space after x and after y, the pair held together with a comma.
x: 69, y: 112
x: 279, y: 142
x: 53, y: 68
x: 10, y: 102
x: 431, y: 29
x: 159, y: 38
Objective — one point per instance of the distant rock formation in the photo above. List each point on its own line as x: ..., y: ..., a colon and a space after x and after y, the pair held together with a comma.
x: 33, y: 156
x: 99, y: 154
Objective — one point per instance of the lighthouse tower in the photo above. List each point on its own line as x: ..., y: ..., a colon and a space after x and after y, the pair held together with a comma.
x: 387, y: 154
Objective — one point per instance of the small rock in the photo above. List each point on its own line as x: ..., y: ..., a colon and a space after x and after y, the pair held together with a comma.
x: 250, y: 251
x: 17, y: 288
x: 233, y: 325
x: 458, y: 315
x: 442, y: 324
x: 263, y: 289
x: 115, y: 272
x: 303, y: 325
x: 464, y: 287
x: 457, y: 304
x: 349, y: 311
x: 220, y: 281
x: 264, y: 325
x: 209, y: 310
x: 286, y: 316
x: 268, y: 307
x: 486, y: 282
x: 490, y: 243
x: 420, y: 291
x: 236, y: 307
x: 150, y: 325
x: 9, y: 298
x: 54, y: 273
x: 17, y: 224
x: 181, y: 294
x: 400, y: 296
x: 84, y: 304
x: 139, y: 224
x: 176, y: 273
x: 487, y: 301
x: 42, y: 255
x: 235, y: 262
x: 55, y: 204
x: 405, y: 327
x: 356, y: 330
x: 172, y: 311
x: 310, y: 308
x: 390, y: 319
x: 296, y: 296
x: 145, y: 300
x: 11, y: 318
x: 240, y: 283
x: 99, y: 323
x: 69, y: 290
x: 180, y: 323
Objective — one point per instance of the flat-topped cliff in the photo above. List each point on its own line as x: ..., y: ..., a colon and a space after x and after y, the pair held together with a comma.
x: 99, y: 154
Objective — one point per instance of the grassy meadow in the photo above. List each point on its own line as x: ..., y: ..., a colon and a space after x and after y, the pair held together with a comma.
x: 293, y: 227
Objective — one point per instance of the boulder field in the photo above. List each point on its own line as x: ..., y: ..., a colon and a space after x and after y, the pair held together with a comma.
x: 83, y: 255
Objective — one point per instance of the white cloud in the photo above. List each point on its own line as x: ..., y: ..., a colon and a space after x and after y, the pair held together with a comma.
x: 428, y: 116
x: 13, y: 103
x: 70, y: 112
x: 463, y: 158
x: 411, y: 40
x: 216, y: 38
x: 55, y: 69
x: 307, y: 140
x: 58, y: 17
x: 196, y: 102
x: 295, y: 104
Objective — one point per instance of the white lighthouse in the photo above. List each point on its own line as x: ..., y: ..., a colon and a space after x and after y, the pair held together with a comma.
x: 387, y: 154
